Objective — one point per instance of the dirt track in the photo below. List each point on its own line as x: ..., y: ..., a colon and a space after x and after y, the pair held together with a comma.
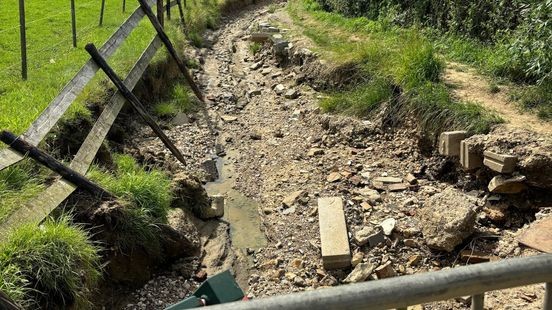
x: 276, y: 146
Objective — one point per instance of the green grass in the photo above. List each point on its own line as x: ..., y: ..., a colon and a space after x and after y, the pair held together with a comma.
x: 18, y: 184
x: 146, y: 197
x: 255, y: 47
x: 52, y: 59
x: 177, y: 100
x: 147, y: 190
x: 52, y: 266
x: 385, y: 57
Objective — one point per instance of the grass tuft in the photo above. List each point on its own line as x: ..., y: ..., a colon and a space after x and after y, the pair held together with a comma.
x: 149, y: 191
x: 54, y: 265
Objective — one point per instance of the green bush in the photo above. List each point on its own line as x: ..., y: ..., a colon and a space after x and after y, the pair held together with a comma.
x: 149, y: 191
x: 54, y: 265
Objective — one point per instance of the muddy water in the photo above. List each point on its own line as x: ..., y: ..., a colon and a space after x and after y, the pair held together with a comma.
x: 241, y: 212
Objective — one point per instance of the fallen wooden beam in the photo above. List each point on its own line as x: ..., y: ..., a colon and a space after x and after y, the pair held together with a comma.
x: 24, y: 148
x: 134, y: 101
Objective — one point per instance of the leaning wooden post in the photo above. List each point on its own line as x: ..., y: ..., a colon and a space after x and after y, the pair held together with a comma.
x: 73, y: 23
x: 124, y: 6
x: 23, y: 39
x: 102, y: 12
x: 43, y: 158
x: 134, y: 101
x: 168, y: 7
x: 172, y: 51
x: 180, y: 10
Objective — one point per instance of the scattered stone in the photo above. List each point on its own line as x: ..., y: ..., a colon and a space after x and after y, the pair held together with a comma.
x: 229, y: 118
x: 256, y: 65
x: 280, y: 46
x: 397, y: 187
x: 362, y: 236
x: 333, y: 233
x: 298, y: 281
x: 216, y: 210
x: 411, y: 243
x: 255, y: 136
x: 357, y: 259
x: 334, y: 177
x: 253, y: 93
x: 388, y: 180
x: 444, y: 227
x: 292, y: 198
x: 539, y: 235
x: 385, y: 271
x: 411, y: 179
x: 291, y: 94
x: 501, y: 185
x: 200, y: 276
x: 210, y: 167
x: 361, y: 272
x: 376, y: 239
x: 315, y: 152
x: 449, y: 142
x: 279, y: 89
x: 388, y: 225
x: 266, y: 71
x: 497, y: 213
x: 501, y: 163
x: 289, y: 210
x: 414, y: 260
x: 366, y: 206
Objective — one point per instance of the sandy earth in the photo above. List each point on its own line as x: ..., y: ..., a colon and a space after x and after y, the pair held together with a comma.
x: 276, y: 146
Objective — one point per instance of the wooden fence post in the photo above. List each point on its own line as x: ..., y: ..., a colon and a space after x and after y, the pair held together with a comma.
x: 23, y: 39
x: 124, y: 5
x: 180, y: 10
x: 102, y: 12
x: 45, y: 159
x: 134, y: 101
x: 73, y: 23
x: 160, y: 13
x: 179, y: 62
x: 168, y: 6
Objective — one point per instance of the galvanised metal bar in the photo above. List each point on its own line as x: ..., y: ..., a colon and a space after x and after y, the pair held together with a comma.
x: 548, y: 297
x: 415, y: 289
x: 478, y: 301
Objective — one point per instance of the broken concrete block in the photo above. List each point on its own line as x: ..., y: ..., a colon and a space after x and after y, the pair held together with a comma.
x: 279, y: 89
x: 259, y: 37
x: 210, y: 167
x: 470, y: 160
x: 502, y: 185
x: 502, y: 163
x: 334, y: 239
x: 449, y: 142
x: 444, y: 227
x: 376, y: 238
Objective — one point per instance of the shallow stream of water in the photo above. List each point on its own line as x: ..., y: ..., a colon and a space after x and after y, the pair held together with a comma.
x: 240, y: 211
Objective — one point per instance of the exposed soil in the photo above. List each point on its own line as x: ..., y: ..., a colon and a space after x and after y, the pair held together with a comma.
x: 468, y: 85
x: 273, y: 146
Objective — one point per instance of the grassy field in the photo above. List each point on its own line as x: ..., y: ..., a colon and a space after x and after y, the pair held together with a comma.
x: 52, y: 59
x: 387, y: 57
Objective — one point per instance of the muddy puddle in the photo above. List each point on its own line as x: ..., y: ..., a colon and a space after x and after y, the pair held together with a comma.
x: 240, y: 211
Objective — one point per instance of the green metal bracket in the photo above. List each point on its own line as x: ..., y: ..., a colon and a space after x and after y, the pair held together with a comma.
x: 218, y: 289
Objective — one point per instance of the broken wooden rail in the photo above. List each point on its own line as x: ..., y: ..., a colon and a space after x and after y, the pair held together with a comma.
x: 401, y: 292
x: 40, y: 207
x: 24, y: 148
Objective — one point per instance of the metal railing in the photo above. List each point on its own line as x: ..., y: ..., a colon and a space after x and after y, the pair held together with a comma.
x: 401, y: 292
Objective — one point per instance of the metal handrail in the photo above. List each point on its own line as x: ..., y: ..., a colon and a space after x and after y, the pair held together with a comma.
x: 400, y: 292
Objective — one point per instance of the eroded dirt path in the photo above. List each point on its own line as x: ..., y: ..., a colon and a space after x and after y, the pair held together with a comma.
x: 278, y: 144
x: 468, y: 85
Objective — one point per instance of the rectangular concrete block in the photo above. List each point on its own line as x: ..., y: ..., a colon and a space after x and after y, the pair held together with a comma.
x: 333, y: 233
x: 502, y: 163
x: 470, y: 160
x: 449, y: 142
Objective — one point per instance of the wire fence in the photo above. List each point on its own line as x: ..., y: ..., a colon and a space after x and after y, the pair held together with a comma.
x: 53, y: 29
